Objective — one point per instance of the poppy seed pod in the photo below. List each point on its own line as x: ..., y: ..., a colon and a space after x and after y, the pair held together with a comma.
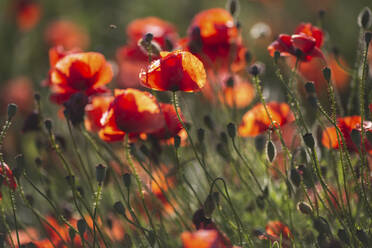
x: 208, y: 122
x: 127, y: 180
x: 270, y: 151
x: 310, y: 88
x: 295, y: 177
x: 304, y: 208
x: 231, y: 130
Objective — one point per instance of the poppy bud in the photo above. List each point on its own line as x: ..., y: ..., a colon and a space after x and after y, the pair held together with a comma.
x: 365, y: 18
x: 201, y: 135
x: 309, y: 140
x: 209, y: 207
x: 368, y: 37
x: 230, y: 82
x: 71, y: 233
x: 355, y: 137
x: 222, y: 151
x: 233, y: 6
x: 31, y: 122
x: 81, y: 226
x: 248, y: 57
x: 208, y: 122
x: 119, y: 208
x: 313, y: 101
x: 127, y: 180
x: 177, y: 141
x: 231, y: 130
x: 223, y: 137
x: 343, y: 235
x: 321, y: 13
x: 295, y: 177
x: 270, y: 151
x: 310, y: 87
x: 75, y: 108
x: 100, y: 173
x: 48, y: 125
x: 321, y: 225
x: 362, y: 236
x: 12, y: 110
x: 304, y: 208
x: 327, y: 74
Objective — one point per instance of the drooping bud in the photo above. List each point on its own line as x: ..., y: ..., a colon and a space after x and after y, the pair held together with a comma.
x: 201, y: 135
x: 231, y: 130
x: 309, y: 140
x: 304, y: 208
x: 100, y: 173
x: 119, y: 208
x: 12, y: 110
x: 365, y: 18
x: 327, y: 74
x: 233, y: 7
x: 81, y: 226
x: 127, y: 180
x: 208, y: 122
x: 270, y: 151
x: 295, y: 177
x: 209, y: 206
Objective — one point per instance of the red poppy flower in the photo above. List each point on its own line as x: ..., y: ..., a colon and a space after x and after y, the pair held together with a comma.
x: 307, y: 39
x: 172, y: 126
x: 200, y: 239
x: 256, y: 120
x: 178, y: 70
x: 95, y: 110
x: 132, y: 111
x: 346, y: 125
x: 160, y: 29
x: 79, y: 72
x: 8, y: 178
x: 277, y: 231
x: 28, y: 14
x: 67, y: 34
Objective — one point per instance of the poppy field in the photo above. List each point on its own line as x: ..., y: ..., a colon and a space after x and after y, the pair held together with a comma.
x: 193, y: 124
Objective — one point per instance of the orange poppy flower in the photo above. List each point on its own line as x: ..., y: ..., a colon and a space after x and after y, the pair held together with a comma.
x: 307, y: 39
x: 58, y: 52
x: 132, y: 111
x: 200, y: 239
x: 346, y: 125
x: 28, y: 13
x: 95, y: 110
x: 67, y: 34
x: 79, y: 72
x: 256, y: 120
x: 277, y: 231
x: 215, y: 39
x: 178, y: 70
